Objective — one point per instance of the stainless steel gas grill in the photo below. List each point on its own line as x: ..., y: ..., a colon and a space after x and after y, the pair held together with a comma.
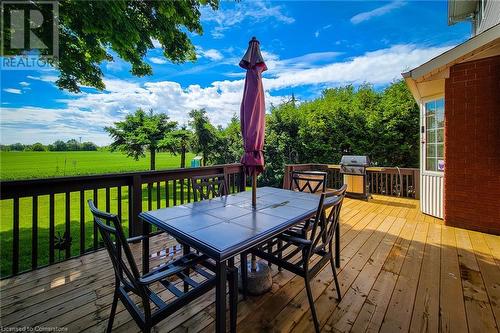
x: 354, y: 170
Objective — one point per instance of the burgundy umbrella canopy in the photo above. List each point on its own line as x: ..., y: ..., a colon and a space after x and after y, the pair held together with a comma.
x: 253, y: 113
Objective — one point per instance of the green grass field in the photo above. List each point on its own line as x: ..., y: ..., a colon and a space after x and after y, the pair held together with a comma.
x: 22, y: 165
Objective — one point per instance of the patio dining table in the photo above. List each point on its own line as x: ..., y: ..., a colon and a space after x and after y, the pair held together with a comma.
x: 225, y: 226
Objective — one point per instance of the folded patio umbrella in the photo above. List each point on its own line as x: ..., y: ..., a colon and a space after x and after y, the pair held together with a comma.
x: 253, y: 113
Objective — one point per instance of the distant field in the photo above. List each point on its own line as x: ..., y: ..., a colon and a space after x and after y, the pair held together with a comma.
x: 23, y: 165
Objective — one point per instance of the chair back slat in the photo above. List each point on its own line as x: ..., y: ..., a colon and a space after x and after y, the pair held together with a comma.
x: 326, y: 221
x: 308, y: 181
x: 206, y: 187
x: 112, y: 234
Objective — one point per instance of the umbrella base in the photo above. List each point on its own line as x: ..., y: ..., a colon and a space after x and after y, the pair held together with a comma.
x: 260, y: 281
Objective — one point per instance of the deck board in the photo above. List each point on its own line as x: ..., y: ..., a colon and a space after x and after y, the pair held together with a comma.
x: 400, y: 271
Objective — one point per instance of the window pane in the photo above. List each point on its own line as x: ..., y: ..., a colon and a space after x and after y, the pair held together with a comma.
x: 440, y: 150
x: 440, y: 113
x: 431, y: 164
x: 440, y: 135
x: 431, y: 136
x: 431, y: 150
x: 431, y: 122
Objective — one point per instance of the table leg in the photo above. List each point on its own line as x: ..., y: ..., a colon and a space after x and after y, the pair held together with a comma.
x: 337, y: 246
x: 145, y: 247
x: 233, y: 295
x: 244, y: 274
x: 220, y: 298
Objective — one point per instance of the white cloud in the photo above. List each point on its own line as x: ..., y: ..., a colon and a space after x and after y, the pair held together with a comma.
x: 13, y: 91
x: 377, y: 67
x: 316, y: 34
x: 211, y: 54
x: 88, y: 113
x: 24, y: 83
x: 158, y: 60
x: 156, y: 43
x: 252, y: 10
x: 365, y: 16
x: 44, y: 78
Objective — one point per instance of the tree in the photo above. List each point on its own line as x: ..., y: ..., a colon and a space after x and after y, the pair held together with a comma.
x: 88, y: 146
x: 58, y: 145
x: 177, y: 142
x: 344, y: 120
x: 37, y: 147
x: 205, y: 134
x: 229, y: 145
x: 89, y: 30
x: 17, y: 147
x: 72, y: 145
x: 139, y: 132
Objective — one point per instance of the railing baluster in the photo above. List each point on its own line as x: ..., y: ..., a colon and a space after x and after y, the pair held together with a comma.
x: 82, y: 222
x: 167, y: 193
x: 158, y: 195
x: 108, y: 200
x: 15, y: 237
x: 119, y: 202
x: 130, y: 211
x: 150, y: 194
x: 174, y: 189
x: 51, y: 227
x: 96, y: 239
x: 182, y: 191
x: 67, y: 229
x: 34, y: 233
x: 189, y: 190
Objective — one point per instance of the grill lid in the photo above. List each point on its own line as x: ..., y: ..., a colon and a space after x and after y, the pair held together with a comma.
x: 355, y: 160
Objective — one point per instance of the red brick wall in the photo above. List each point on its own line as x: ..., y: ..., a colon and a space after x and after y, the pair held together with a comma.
x: 472, y: 146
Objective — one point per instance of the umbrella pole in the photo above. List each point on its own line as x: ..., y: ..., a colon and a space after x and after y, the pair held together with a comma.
x: 254, y: 190
x: 254, y: 204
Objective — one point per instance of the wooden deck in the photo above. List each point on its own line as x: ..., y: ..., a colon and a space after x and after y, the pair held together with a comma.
x: 400, y: 271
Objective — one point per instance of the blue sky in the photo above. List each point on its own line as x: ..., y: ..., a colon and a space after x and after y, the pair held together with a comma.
x: 308, y: 46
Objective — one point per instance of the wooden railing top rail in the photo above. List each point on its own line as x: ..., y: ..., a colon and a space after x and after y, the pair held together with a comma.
x: 43, y: 186
x: 337, y: 166
x: 382, y: 180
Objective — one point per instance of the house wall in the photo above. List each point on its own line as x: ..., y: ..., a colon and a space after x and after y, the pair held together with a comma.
x: 488, y: 15
x: 472, y: 145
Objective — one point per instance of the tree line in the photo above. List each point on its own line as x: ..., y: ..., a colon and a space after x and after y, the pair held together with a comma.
x: 59, y: 145
x: 382, y: 124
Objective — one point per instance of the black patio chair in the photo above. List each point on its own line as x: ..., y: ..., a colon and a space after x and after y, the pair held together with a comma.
x: 311, y: 182
x: 142, y: 294
x: 207, y: 187
x: 317, y: 244
x: 308, y: 181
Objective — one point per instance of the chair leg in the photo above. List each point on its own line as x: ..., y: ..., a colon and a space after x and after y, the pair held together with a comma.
x: 311, y: 304
x: 113, y: 311
x: 233, y: 296
x: 270, y: 251
x: 244, y: 274
x: 334, y: 271
x: 280, y: 254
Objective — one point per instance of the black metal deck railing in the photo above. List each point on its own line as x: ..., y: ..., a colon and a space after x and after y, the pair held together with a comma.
x: 45, y: 217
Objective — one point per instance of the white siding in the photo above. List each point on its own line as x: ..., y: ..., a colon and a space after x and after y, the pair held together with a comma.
x: 490, y: 16
x: 431, y: 196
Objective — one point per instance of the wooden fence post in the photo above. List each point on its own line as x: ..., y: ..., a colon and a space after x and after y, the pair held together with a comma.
x: 243, y: 180
x: 136, y: 196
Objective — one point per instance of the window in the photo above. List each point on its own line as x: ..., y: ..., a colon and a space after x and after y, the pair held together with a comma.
x: 434, y: 135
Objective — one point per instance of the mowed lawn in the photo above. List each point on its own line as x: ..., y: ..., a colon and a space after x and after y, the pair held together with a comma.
x: 24, y: 165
